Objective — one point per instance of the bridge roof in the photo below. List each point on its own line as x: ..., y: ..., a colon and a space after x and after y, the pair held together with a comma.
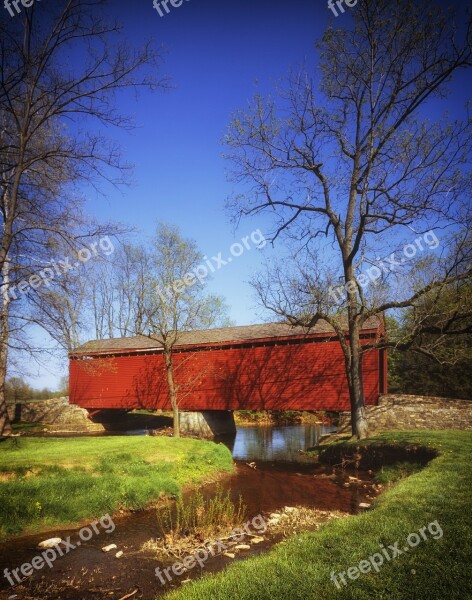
x: 220, y: 336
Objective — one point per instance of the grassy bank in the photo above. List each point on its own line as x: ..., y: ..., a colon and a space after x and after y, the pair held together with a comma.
x: 47, y: 482
x: 436, y: 568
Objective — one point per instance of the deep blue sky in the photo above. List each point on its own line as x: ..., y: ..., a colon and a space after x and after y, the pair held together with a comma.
x: 218, y: 54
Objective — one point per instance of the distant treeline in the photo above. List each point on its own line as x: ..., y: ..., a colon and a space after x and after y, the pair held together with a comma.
x: 412, y: 373
x: 440, y: 365
x: 17, y: 390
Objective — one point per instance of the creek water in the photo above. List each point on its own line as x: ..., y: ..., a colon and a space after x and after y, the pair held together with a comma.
x: 272, y: 472
x: 270, y: 443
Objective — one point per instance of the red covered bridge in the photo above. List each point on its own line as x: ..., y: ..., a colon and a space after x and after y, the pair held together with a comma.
x: 255, y: 367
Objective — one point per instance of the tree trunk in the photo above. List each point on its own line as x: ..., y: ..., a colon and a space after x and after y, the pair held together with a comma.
x: 5, y: 425
x: 358, y: 416
x: 172, y: 391
x: 5, y: 268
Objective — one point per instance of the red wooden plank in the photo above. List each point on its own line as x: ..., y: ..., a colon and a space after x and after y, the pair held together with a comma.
x: 304, y: 376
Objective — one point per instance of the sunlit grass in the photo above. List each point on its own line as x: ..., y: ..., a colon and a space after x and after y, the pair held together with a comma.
x: 54, y: 481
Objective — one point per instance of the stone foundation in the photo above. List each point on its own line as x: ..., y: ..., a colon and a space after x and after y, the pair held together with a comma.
x: 207, y: 423
x: 401, y: 411
x: 56, y: 415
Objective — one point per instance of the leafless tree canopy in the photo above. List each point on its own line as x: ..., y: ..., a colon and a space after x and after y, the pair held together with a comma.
x: 151, y: 289
x: 352, y: 167
x: 61, y: 68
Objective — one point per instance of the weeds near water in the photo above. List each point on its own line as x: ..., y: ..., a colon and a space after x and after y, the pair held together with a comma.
x: 199, y: 516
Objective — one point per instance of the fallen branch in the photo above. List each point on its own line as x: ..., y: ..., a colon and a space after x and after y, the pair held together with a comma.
x: 129, y: 595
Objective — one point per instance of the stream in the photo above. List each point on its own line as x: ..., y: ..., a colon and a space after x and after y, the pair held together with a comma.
x: 272, y: 472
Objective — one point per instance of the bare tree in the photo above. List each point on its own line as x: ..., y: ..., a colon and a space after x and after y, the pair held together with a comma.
x: 155, y: 290
x: 175, y: 302
x: 117, y: 291
x: 102, y: 300
x: 59, y: 310
x: 133, y: 266
x: 52, y: 115
x: 356, y: 170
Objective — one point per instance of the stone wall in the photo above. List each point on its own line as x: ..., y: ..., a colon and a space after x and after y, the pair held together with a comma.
x: 56, y: 415
x: 402, y: 411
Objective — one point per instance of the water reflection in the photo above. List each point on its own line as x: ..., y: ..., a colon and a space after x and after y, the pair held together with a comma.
x: 269, y: 443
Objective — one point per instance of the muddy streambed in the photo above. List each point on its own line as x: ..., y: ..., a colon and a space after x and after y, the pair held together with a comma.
x: 266, y: 486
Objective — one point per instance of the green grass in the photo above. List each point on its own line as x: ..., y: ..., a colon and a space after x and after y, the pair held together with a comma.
x: 393, y: 473
x: 300, y: 568
x: 48, y: 482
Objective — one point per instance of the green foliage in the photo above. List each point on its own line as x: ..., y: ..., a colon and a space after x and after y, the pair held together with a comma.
x: 282, y: 417
x: 17, y: 390
x: 286, y: 416
x: 413, y: 373
x: 251, y: 416
x: 443, y: 366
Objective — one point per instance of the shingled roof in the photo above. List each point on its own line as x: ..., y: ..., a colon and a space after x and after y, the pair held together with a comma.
x: 223, y: 335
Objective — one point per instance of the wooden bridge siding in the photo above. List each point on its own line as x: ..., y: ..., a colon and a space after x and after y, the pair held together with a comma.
x: 304, y: 376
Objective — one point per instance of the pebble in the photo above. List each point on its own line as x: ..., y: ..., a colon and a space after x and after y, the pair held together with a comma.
x: 50, y: 543
x: 274, y: 520
x: 242, y: 547
x: 110, y: 547
x: 119, y: 554
x: 256, y: 540
x: 229, y: 554
x: 364, y: 505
